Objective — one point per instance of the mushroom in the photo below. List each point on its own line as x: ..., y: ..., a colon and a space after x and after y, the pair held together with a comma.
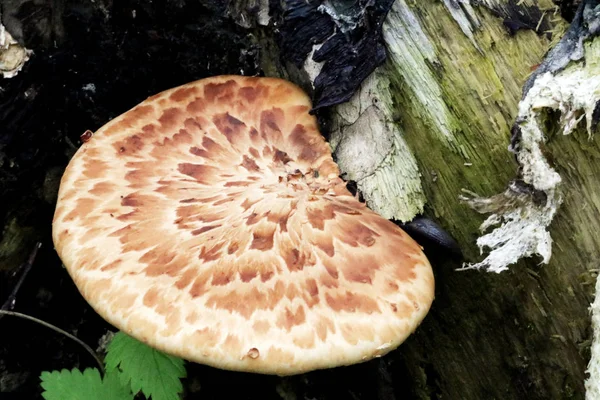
x: 210, y: 222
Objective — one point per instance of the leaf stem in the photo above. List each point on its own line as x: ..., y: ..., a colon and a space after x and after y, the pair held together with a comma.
x: 57, y: 329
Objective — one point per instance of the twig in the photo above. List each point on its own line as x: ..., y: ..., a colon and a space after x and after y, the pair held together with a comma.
x: 9, y: 304
x: 57, y: 329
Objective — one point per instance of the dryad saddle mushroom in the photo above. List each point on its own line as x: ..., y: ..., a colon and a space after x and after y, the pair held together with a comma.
x: 210, y: 222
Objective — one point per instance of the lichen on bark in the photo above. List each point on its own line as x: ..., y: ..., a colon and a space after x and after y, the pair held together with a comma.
x: 453, y: 96
x: 386, y: 174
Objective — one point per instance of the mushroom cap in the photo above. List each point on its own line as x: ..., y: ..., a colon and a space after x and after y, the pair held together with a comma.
x: 210, y: 222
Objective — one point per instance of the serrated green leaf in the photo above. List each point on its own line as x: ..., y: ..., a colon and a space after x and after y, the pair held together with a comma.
x: 145, y: 369
x: 75, y: 385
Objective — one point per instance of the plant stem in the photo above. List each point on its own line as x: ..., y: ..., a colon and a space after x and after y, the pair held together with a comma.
x: 57, y: 329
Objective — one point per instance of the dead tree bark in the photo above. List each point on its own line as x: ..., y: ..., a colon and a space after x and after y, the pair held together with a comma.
x: 445, y: 105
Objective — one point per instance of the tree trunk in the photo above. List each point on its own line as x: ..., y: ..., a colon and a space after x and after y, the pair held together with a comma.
x: 454, y: 88
x: 436, y: 118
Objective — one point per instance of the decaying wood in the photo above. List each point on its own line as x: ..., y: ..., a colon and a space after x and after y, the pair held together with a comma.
x: 455, y: 98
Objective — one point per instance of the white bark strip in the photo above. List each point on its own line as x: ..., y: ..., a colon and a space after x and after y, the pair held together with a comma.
x: 522, y: 230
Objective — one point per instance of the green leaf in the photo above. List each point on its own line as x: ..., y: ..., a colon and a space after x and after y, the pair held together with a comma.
x: 145, y: 369
x: 75, y: 385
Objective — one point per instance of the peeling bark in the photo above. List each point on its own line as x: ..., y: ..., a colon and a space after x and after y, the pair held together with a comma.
x: 348, y: 35
x: 574, y: 93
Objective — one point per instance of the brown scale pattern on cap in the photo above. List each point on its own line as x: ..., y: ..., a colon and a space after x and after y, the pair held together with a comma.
x: 210, y: 222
